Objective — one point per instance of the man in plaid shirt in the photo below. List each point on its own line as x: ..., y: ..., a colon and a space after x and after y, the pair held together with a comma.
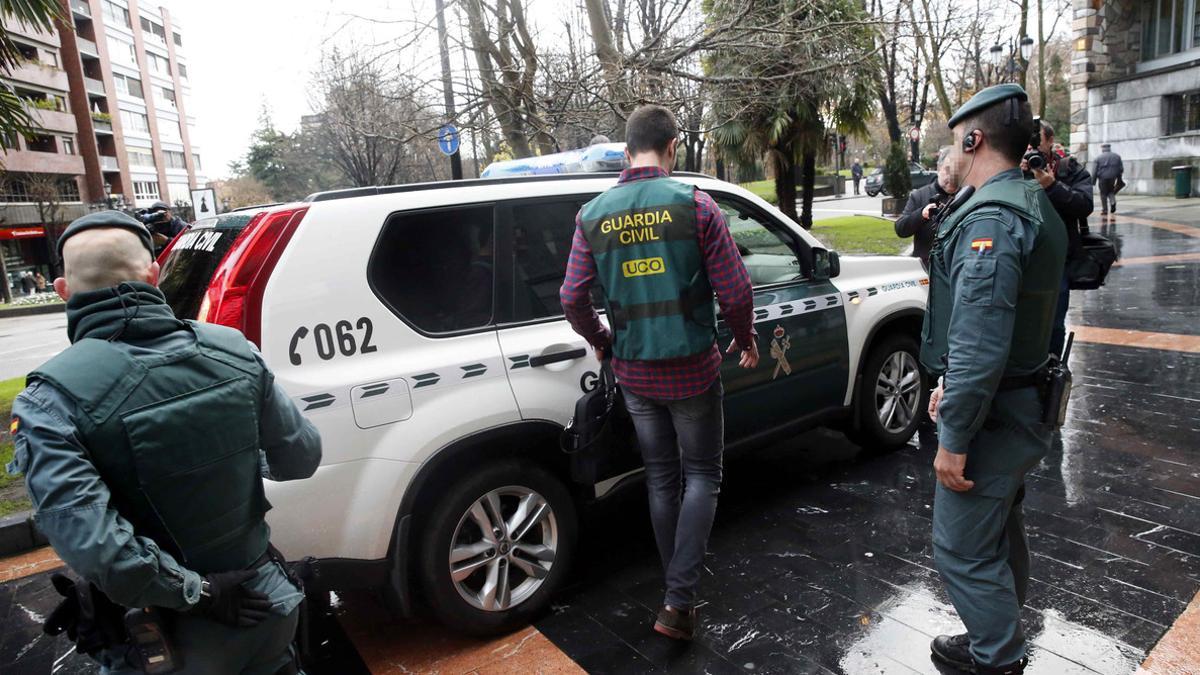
x: 659, y: 249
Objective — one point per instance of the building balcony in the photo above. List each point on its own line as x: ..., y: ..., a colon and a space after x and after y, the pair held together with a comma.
x: 94, y: 86
x: 41, y: 162
x: 31, y: 72
x: 53, y: 120
x: 109, y: 163
x: 87, y: 47
x: 102, y: 126
x: 18, y: 28
x: 81, y: 8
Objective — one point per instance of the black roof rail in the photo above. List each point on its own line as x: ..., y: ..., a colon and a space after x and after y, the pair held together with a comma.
x: 470, y: 182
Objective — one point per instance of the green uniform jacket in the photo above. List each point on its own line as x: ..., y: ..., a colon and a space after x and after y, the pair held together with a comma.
x: 73, y: 504
x: 995, y: 277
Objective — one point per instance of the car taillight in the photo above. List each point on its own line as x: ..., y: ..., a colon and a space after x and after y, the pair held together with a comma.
x: 234, y: 296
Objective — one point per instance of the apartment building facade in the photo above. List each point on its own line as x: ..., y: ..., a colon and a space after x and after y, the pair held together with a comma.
x: 1135, y: 84
x: 109, y: 89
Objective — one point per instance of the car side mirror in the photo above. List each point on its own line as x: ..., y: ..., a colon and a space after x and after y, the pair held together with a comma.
x: 826, y: 264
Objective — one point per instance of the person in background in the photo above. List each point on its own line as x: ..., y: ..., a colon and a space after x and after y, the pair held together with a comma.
x: 1109, y: 172
x: 659, y: 249
x: 916, y: 220
x: 144, y: 447
x: 41, y: 282
x: 856, y: 174
x: 1069, y: 187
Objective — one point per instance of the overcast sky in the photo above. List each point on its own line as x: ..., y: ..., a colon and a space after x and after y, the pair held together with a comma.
x: 244, y: 53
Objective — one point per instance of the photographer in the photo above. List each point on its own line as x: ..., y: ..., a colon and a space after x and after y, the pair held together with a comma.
x: 1069, y: 186
x: 916, y: 220
x: 163, y: 224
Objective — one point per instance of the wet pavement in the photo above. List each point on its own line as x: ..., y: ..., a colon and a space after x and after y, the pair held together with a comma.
x: 820, y: 559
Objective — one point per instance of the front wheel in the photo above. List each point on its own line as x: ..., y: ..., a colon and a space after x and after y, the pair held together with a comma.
x: 872, y: 193
x: 892, y: 394
x: 496, y: 549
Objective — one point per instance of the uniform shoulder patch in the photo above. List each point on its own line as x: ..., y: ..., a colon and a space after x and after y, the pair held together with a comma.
x: 14, y: 425
x: 982, y: 244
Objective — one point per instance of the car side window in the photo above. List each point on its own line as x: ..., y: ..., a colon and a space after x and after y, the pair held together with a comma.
x: 436, y: 269
x: 767, y: 250
x: 541, y: 243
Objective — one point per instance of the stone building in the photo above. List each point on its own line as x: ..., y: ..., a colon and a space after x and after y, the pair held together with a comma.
x: 1135, y: 83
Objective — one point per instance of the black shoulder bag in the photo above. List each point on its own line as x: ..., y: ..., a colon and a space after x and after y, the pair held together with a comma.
x: 599, y: 439
x: 1087, y: 267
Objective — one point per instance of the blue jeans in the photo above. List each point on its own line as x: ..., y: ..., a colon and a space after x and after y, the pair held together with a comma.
x: 682, y: 444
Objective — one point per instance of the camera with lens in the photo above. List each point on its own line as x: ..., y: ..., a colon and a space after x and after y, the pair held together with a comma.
x: 151, y: 217
x: 1034, y: 157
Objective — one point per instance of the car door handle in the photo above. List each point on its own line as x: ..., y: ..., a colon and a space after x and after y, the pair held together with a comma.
x: 547, y: 359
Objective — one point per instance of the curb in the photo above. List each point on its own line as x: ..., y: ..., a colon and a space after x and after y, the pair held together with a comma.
x: 32, y: 310
x: 18, y: 534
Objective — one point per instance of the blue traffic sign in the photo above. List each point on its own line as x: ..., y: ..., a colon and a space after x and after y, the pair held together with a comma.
x: 447, y: 139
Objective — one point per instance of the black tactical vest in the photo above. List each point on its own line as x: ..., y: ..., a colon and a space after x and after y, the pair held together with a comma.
x: 175, y: 438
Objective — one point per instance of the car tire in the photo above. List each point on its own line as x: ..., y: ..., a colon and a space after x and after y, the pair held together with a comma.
x: 892, y: 394
x: 872, y: 193
x: 453, y: 537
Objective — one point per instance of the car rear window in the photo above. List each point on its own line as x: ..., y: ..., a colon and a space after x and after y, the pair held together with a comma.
x: 189, y: 267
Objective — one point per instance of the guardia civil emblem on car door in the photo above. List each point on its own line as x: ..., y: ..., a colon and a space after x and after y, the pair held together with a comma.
x: 779, y: 346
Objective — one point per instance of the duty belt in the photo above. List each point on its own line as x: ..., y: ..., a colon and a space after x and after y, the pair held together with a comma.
x: 1034, y: 379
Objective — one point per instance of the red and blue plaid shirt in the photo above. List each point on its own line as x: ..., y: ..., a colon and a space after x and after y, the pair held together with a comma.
x: 687, y: 376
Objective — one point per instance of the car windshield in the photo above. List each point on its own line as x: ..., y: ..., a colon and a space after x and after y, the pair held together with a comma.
x: 189, y: 267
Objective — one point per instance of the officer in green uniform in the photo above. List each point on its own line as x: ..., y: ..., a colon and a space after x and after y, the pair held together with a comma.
x: 995, y: 270
x: 144, y: 445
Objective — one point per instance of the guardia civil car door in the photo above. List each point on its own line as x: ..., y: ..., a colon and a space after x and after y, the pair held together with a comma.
x: 801, y: 324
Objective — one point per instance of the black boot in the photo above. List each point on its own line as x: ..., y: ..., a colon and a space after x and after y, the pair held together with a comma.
x: 954, y: 650
x: 1011, y: 669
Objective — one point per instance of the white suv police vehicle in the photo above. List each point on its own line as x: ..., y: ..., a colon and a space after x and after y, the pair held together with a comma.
x: 419, y: 328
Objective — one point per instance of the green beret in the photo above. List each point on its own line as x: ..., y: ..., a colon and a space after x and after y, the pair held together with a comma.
x: 107, y: 219
x: 986, y: 98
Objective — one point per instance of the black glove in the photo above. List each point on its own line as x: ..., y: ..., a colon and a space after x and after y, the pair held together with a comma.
x: 224, y: 599
x: 65, y: 617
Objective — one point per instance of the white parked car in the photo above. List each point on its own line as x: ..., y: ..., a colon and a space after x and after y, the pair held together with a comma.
x: 419, y: 328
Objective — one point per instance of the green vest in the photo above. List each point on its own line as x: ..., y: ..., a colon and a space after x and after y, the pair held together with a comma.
x: 175, y: 438
x: 1041, y: 274
x: 643, y: 238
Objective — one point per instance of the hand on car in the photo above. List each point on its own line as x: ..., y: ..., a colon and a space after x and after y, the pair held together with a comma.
x: 949, y: 469
x: 749, y: 358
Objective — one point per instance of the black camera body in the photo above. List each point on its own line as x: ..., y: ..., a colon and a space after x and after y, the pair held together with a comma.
x: 1034, y: 157
x: 151, y: 217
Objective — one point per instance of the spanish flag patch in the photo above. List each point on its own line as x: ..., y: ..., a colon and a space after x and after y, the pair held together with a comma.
x: 982, y: 245
x: 14, y: 425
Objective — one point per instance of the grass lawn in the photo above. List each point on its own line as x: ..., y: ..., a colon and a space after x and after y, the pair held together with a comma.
x: 762, y: 188
x: 12, y: 488
x: 858, y: 235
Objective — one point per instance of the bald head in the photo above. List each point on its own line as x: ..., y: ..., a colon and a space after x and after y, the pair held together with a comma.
x: 102, y: 257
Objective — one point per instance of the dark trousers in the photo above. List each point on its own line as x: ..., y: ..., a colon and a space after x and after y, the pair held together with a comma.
x: 682, y: 446
x: 1108, y: 195
x: 1058, y: 335
x: 857, y: 179
x: 979, y: 544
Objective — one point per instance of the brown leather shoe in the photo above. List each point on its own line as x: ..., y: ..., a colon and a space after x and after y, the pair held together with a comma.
x: 675, y: 624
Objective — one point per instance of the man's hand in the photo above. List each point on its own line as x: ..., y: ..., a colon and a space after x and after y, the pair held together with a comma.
x: 1044, y: 178
x: 949, y: 470
x: 601, y: 353
x: 226, y: 600
x: 749, y: 357
x: 159, y: 239
x: 926, y: 212
x: 935, y: 399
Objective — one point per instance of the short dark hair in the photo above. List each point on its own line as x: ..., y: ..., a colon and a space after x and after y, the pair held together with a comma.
x: 650, y: 127
x: 1007, y: 126
x: 1047, y: 129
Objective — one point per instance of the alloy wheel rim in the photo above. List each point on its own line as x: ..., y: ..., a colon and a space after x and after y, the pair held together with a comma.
x: 898, y: 392
x: 503, y: 548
